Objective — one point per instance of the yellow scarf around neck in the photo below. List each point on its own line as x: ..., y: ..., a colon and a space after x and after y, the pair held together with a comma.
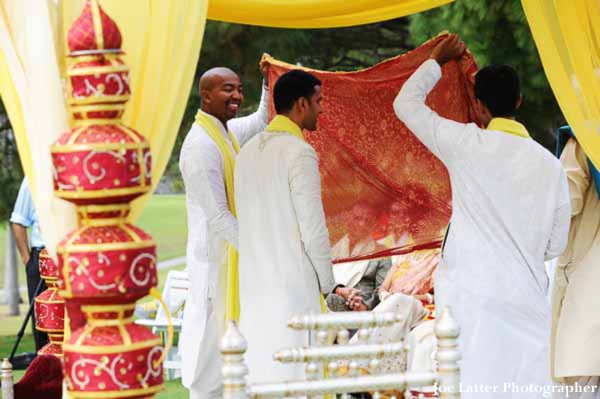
x: 509, y: 126
x: 284, y: 124
x: 232, y: 311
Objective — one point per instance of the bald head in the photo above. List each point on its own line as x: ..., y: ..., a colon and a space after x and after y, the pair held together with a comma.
x: 214, y: 76
x: 221, y: 92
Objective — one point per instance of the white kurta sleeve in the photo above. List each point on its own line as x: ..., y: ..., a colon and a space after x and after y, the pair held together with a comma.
x: 247, y: 127
x: 305, y: 186
x: 559, y: 236
x: 443, y: 137
x: 202, y: 171
x: 577, y: 169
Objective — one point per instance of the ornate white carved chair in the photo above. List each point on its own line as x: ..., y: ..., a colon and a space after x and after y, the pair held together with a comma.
x: 343, y: 361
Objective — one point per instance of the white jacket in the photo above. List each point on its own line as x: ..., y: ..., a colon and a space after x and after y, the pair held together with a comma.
x: 211, y: 226
x: 285, y: 255
x: 510, y: 212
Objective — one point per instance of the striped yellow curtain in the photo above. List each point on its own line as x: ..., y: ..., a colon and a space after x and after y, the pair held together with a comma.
x: 567, y: 35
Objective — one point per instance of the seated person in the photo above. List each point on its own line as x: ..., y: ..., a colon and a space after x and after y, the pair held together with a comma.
x: 360, y: 221
x: 360, y: 279
x: 364, y: 295
x: 412, y: 274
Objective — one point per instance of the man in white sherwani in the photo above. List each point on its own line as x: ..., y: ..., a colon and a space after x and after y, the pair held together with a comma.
x: 285, y: 254
x: 211, y: 223
x: 510, y: 213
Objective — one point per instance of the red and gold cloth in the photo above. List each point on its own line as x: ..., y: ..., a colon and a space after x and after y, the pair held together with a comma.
x: 377, y: 178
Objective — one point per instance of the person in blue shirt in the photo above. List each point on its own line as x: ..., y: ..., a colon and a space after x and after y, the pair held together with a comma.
x: 23, y: 217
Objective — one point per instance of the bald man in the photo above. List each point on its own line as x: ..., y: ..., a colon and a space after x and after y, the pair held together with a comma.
x: 209, y: 149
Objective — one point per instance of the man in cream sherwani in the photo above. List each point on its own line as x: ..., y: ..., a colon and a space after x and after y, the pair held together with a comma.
x: 285, y: 255
x: 575, y: 299
x: 510, y: 212
x: 211, y: 224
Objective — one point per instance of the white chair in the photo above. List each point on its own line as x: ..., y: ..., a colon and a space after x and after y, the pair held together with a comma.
x: 174, y: 295
x: 355, y: 356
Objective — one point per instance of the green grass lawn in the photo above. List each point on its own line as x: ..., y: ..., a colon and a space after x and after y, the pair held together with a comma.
x: 165, y: 218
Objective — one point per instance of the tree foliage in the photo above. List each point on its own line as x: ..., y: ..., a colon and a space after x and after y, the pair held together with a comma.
x: 10, y: 167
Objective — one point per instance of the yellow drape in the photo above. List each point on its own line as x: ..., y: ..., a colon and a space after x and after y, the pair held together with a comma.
x: 232, y: 309
x: 162, y: 41
x: 12, y: 104
x: 315, y: 13
x: 32, y: 94
x: 567, y: 35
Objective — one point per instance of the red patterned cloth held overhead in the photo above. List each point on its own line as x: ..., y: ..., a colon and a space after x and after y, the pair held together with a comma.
x: 369, y: 160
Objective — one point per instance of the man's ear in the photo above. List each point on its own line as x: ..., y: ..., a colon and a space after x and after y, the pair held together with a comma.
x: 519, y: 101
x: 303, y: 103
x: 300, y: 105
x: 205, y: 95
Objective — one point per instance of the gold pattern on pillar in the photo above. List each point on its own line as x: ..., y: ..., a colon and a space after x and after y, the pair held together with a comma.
x: 50, y: 308
x: 107, y: 264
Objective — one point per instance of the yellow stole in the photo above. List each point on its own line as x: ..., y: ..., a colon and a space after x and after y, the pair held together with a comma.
x: 284, y: 124
x: 232, y: 311
x: 508, y: 126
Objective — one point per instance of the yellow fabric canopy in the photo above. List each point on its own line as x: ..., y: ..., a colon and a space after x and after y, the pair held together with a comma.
x: 567, y: 35
x: 315, y: 13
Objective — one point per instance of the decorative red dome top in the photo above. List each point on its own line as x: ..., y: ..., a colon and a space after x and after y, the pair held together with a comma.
x: 94, y: 31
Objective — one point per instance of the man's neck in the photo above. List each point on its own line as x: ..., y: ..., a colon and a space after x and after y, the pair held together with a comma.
x: 294, y: 118
x: 223, y: 122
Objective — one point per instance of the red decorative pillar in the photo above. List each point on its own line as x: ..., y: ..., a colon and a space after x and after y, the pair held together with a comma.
x: 107, y: 264
x: 50, y: 308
